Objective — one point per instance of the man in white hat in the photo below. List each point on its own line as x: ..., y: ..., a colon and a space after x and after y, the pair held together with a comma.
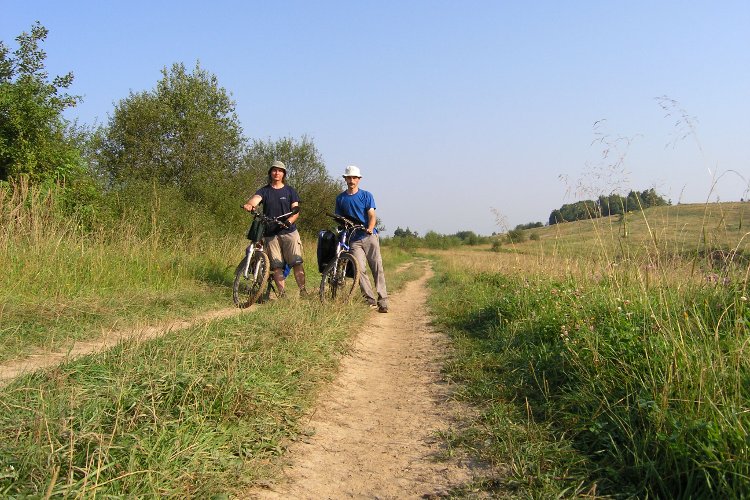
x: 283, y: 244
x: 359, y: 205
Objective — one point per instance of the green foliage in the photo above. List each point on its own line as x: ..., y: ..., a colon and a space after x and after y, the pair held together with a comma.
x: 629, y: 391
x: 432, y: 239
x: 604, y: 206
x: 580, y: 210
x: 405, y: 233
x: 34, y: 139
x: 194, y: 413
x: 184, y: 133
x: 530, y: 225
x: 516, y: 236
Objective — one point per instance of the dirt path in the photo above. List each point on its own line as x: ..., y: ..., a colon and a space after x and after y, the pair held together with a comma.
x: 12, y: 369
x: 374, y: 433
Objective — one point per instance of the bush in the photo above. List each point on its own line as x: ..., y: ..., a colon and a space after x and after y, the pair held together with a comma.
x: 516, y: 236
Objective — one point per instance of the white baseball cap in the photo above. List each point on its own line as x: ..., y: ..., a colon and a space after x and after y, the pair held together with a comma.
x: 352, y: 171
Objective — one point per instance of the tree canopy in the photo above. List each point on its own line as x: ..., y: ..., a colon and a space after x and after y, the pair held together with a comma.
x: 604, y: 206
x: 34, y: 138
x: 184, y: 133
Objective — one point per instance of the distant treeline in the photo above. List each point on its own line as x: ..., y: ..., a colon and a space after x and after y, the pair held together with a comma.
x: 604, y: 206
x: 406, y: 238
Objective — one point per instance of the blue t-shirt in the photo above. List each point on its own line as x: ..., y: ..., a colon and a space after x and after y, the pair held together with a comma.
x: 278, y: 202
x: 355, y: 207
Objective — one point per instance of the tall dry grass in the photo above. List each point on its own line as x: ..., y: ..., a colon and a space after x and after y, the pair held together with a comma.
x: 61, y: 283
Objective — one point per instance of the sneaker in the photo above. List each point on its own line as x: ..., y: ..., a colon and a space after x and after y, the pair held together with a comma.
x: 373, y: 306
x: 382, y: 309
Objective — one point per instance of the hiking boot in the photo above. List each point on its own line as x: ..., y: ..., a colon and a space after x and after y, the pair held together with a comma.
x: 382, y: 309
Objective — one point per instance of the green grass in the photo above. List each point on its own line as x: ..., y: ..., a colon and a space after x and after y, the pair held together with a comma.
x: 620, y: 371
x: 193, y: 413
x: 606, y: 358
x: 668, y: 231
x: 57, y: 292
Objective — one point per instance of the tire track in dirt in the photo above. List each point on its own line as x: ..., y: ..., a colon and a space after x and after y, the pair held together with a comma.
x: 37, y: 361
x: 374, y: 432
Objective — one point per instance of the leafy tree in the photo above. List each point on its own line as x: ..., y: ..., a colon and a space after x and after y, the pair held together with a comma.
x: 556, y: 217
x: 34, y: 138
x: 184, y: 133
x: 530, y: 225
x: 404, y: 233
x: 516, y: 236
x: 604, y: 206
x: 579, y: 210
x: 468, y: 237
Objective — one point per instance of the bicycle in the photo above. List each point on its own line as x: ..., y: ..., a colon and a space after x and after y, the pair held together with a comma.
x: 337, y: 265
x: 253, y: 272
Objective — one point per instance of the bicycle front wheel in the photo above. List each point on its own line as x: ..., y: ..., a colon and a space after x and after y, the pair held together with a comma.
x: 340, y: 279
x: 247, y: 288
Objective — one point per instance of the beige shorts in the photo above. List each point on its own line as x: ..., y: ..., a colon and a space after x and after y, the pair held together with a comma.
x: 284, y: 248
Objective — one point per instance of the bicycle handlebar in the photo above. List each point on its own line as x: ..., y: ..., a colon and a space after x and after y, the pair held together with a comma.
x: 278, y: 220
x: 348, y: 223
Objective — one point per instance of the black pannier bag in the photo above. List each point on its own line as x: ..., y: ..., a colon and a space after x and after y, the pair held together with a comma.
x: 257, y: 228
x: 326, y: 248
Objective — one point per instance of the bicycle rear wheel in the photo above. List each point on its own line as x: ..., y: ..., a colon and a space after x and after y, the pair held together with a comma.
x: 247, y: 289
x: 340, y: 279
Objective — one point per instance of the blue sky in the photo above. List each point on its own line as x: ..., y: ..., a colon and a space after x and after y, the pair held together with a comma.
x: 471, y: 115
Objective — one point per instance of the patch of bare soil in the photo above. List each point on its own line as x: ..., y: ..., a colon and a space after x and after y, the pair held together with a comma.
x: 375, y: 431
x: 12, y: 369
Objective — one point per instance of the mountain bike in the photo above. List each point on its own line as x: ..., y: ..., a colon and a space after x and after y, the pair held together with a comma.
x: 254, y: 271
x: 338, y: 267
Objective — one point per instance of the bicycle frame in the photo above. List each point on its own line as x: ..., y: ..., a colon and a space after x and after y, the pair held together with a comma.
x: 337, y: 284
x: 257, y: 246
x: 252, y: 275
x: 345, y: 235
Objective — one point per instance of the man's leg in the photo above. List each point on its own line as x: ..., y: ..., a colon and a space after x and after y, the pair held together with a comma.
x: 291, y: 249
x: 277, y: 263
x: 358, y: 251
x: 299, y: 276
x: 372, y: 251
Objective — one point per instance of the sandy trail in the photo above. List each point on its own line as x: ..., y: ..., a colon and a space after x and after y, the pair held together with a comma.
x: 374, y: 432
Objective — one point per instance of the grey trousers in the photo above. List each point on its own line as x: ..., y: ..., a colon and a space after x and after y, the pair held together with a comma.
x: 367, y: 253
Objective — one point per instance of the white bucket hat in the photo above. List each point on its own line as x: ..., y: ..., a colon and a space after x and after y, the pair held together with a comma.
x: 278, y: 164
x: 352, y: 171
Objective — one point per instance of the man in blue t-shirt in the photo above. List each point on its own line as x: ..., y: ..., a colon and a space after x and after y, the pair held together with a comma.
x: 359, y: 205
x: 283, y: 244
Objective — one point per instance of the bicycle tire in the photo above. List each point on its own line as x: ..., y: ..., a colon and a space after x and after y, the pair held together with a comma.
x: 337, y: 284
x: 247, y: 290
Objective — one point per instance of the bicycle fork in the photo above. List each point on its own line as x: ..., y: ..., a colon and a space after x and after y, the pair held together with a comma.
x: 249, y: 253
